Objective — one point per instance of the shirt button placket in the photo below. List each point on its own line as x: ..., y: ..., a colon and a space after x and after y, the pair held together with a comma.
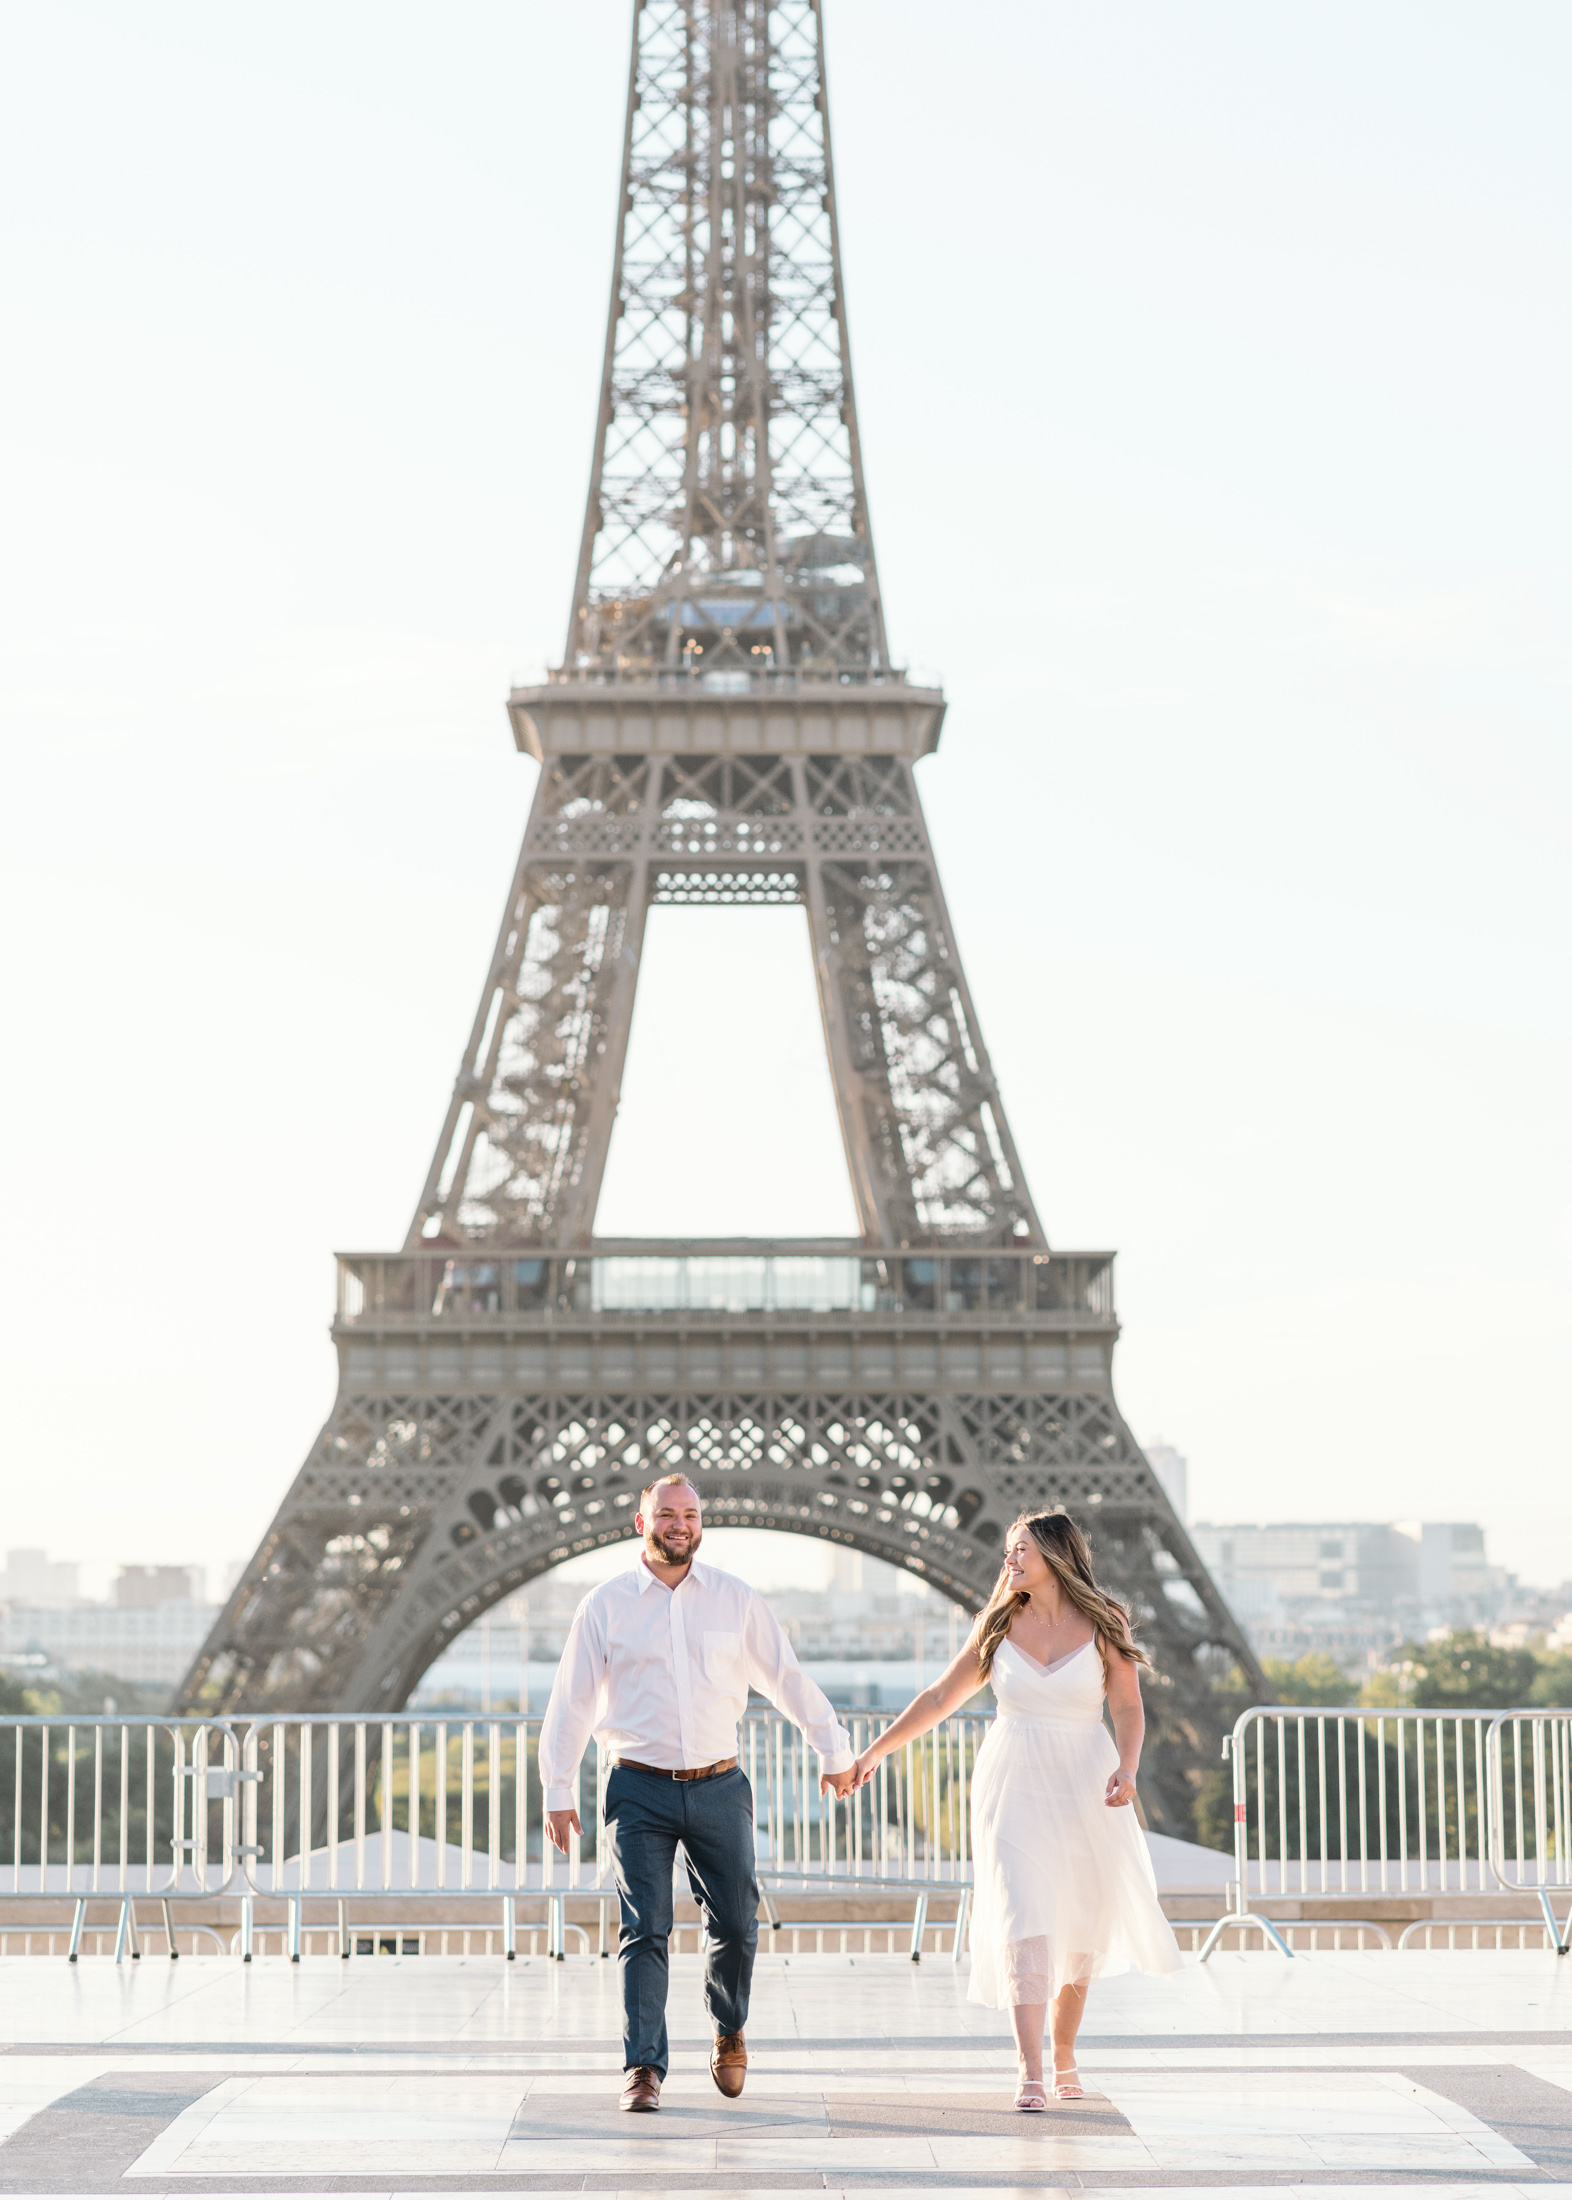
x: 682, y: 1675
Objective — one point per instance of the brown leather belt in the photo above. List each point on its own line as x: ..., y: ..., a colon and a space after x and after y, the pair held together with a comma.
x: 664, y: 1772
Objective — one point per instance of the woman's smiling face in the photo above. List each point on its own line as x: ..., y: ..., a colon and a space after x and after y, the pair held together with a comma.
x: 1024, y: 1564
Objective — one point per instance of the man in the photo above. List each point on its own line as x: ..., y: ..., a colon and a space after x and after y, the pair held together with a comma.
x: 658, y: 1662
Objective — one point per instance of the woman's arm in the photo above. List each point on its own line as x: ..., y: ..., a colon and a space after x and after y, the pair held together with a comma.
x: 1129, y: 1725
x: 960, y: 1680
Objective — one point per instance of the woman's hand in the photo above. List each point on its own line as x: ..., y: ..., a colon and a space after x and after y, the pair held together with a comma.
x: 1120, y: 1789
x: 864, y: 1769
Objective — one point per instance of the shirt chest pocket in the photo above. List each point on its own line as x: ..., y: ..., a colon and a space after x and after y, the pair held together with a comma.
x: 722, y: 1658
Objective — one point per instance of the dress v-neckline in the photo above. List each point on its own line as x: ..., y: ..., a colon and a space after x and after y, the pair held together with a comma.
x: 1058, y: 1665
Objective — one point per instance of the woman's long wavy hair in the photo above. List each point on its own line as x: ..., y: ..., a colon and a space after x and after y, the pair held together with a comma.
x: 1069, y: 1556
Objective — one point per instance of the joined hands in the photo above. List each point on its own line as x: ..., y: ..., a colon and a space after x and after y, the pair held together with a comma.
x: 842, y: 1784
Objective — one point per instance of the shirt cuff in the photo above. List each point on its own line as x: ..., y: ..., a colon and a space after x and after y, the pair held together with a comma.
x: 561, y: 1798
x: 838, y: 1760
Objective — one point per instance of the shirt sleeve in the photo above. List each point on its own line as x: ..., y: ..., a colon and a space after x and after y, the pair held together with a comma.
x: 570, y: 1715
x: 774, y: 1671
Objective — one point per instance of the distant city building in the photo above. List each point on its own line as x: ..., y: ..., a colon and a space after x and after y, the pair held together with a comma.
x: 1260, y: 1566
x: 1453, y: 1567
x: 1350, y: 1588
x: 32, y: 1577
x: 150, y: 1631
x: 139, y: 1588
x: 151, y: 1642
x: 846, y: 1572
x: 1172, y: 1469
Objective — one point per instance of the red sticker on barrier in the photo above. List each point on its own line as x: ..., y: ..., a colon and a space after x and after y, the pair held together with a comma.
x: 1239, y: 1814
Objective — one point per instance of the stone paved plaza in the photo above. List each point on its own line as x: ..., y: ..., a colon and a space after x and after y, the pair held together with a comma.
x: 1444, y: 2073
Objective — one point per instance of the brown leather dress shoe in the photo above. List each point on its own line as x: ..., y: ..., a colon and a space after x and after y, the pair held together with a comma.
x: 641, y: 2091
x: 729, y: 2063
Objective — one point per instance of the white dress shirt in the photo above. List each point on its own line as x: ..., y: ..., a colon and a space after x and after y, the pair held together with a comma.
x: 662, y: 1675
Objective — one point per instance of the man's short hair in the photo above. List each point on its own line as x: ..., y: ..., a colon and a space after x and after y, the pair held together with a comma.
x: 666, y: 1481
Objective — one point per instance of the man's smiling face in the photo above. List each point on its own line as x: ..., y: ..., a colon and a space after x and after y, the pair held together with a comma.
x: 672, y: 1526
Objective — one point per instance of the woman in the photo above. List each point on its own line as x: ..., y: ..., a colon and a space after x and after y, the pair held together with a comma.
x: 1065, y: 1889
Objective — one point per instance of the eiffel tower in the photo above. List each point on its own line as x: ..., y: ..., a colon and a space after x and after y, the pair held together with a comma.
x: 727, y: 727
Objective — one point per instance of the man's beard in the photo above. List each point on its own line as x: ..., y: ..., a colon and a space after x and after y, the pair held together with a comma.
x: 672, y: 1554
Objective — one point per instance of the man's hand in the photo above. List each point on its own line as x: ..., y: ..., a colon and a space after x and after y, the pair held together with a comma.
x: 838, y: 1784
x: 559, y: 1824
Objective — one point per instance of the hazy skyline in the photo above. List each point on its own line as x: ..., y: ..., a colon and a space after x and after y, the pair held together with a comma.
x: 1212, y: 369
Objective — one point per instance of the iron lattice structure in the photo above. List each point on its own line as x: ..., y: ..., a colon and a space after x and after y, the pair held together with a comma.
x: 725, y: 728
x: 727, y: 517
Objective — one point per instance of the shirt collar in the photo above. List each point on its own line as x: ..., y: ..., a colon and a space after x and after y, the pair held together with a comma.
x: 647, y: 1580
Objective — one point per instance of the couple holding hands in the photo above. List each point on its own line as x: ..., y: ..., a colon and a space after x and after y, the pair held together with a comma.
x: 658, y: 1664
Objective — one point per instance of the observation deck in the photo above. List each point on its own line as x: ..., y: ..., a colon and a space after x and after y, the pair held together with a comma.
x: 590, y: 710
x: 728, y: 1313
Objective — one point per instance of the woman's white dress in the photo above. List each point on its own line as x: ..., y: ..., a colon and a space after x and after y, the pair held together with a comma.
x: 1065, y: 1890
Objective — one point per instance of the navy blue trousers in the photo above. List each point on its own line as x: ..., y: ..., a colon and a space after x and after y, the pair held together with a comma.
x: 647, y: 1814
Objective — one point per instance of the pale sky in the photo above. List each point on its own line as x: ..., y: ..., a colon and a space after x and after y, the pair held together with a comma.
x: 1212, y: 364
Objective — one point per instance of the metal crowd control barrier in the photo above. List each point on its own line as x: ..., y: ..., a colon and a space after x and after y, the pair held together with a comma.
x: 417, y: 1808
x: 109, y: 1809
x: 1330, y: 1802
x: 1530, y: 1761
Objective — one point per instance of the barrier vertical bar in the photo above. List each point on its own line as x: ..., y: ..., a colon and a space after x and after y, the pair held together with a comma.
x: 125, y: 1807
x: 149, y: 1769
x: 70, y: 1834
x: 804, y: 1809
x: 279, y: 1772
x: 1401, y: 1725
x: 412, y: 1750
x: 178, y: 1806
x: 440, y: 1787
x: 1481, y: 1802
x: 306, y: 1750
x: 494, y: 1805
x: 935, y: 1791
x: 43, y: 1808
x: 1260, y: 1809
x: 335, y: 1806
x: 385, y: 1803
x: 98, y: 1810
x: 16, y: 1820
x: 360, y: 1803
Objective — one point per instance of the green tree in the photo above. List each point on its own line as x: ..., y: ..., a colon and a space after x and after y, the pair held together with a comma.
x: 1553, y: 1681
x: 1460, y: 1672
x: 1314, y: 1678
